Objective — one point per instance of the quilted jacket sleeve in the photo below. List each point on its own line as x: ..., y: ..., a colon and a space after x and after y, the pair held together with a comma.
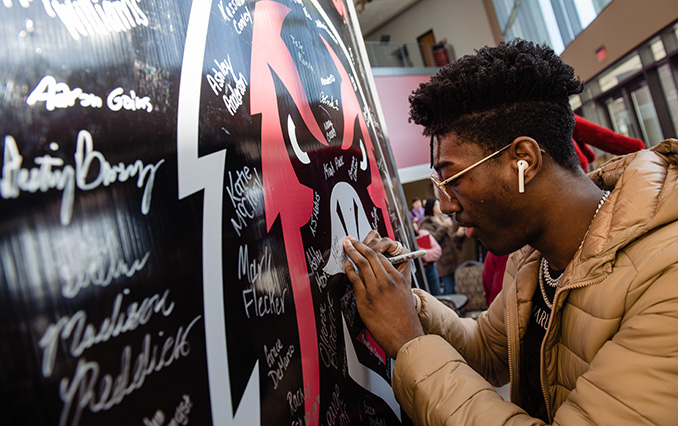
x: 438, y: 385
x: 481, y: 343
x: 435, y: 386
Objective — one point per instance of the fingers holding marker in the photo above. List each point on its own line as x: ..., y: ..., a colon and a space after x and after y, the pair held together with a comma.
x: 368, y: 265
x: 401, y: 258
x: 371, y: 265
x: 354, y: 278
x: 395, y: 252
x: 382, y: 295
x: 371, y: 237
x: 358, y: 266
x: 385, y: 246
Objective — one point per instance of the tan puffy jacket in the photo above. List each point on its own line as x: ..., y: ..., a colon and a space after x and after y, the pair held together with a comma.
x: 611, y: 348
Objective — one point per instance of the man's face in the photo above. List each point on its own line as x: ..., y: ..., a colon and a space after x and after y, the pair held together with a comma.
x: 482, y: 197
x: 417, y: 204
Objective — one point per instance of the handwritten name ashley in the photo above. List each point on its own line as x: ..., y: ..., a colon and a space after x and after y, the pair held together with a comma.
x: 91, y: 170
x: 314, y: 258
x: 219, y: 82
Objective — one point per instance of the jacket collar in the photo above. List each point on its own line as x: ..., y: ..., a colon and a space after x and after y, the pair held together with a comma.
x: 644, y: 197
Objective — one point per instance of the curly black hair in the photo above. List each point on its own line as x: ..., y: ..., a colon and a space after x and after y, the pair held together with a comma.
x: 518, y: 88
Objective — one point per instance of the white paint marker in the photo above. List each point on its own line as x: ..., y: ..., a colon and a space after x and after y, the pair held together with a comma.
x: 405, y: 257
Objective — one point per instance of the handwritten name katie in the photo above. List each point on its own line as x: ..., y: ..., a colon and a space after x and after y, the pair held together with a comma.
x: 91, y: 170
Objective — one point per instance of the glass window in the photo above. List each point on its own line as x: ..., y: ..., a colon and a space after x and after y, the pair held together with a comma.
x: 622, y: 120
x: 554, y: 22
x: 670, y: 94
x: 567, y: 20
x: 647, y: 115
x: 555, y: 39
x: 503, y: 10
x: 528, y: 23
x: 657, y: 48
x: 622, y: 71
x: 586, y: 12
x: 600, y: 5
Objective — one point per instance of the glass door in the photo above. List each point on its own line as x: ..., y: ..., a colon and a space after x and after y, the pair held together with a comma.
x: 647, y: 114
x: 632, y: 112
x: 621, y: 115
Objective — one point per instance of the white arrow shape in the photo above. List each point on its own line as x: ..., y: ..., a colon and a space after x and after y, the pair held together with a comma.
x: 368, y: 379
x: 206, y: 174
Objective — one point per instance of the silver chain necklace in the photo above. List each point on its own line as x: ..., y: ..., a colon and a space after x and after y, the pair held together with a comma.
x: 551, y: 282
x: 544, y: 274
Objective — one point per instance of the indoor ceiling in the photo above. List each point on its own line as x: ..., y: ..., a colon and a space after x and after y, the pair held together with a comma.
x: 378, y: 12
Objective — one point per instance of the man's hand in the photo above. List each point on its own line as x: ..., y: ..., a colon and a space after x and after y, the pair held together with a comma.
x: 383, y: 293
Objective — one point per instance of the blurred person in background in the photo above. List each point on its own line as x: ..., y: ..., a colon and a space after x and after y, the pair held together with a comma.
x: 433, y: 252
x: 417, y: 213
x: 441, y: 228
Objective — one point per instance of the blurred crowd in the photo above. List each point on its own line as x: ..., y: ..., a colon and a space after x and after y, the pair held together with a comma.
x: 446, y: 243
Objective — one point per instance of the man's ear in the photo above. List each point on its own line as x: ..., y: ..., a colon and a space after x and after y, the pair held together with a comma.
x: 526, y: 160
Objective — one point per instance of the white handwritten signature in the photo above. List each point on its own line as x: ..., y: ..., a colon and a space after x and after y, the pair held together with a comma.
x: 57, y: 94
x: 83, y: 336
x: 253, y: 270
x: 82, y: 18
x: 89, y: 388
x: 100, y: 272
x: 244, y: 193
x: 84, y: 175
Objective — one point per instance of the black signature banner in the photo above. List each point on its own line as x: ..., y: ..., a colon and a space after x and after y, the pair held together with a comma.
x: 177, y: 179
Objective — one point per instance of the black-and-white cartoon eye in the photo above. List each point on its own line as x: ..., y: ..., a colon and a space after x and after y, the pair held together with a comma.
x: 292, y: 133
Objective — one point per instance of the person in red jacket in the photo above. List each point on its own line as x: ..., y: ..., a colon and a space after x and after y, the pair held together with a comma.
x: 493, y: 275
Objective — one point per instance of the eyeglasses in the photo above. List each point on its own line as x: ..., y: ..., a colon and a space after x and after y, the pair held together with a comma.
x: 441, y: 184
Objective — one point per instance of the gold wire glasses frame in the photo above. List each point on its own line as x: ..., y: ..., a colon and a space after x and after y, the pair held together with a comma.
x: 441, y: 184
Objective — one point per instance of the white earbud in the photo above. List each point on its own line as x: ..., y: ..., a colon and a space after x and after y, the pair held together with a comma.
x: 522, y: 166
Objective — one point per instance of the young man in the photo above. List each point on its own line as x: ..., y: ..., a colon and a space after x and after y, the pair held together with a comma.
x: 586, y: 326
